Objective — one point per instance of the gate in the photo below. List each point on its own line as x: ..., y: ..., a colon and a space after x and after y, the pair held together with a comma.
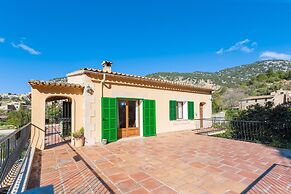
x: 58, y: 122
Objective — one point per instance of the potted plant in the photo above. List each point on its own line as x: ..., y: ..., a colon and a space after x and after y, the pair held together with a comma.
x: 104, y: 141
x: 79, y: 138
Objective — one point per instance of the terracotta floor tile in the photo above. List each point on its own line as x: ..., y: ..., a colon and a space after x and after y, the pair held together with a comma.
x: 118, y: 177
x: 164, y: 190
x: 249, y: 175
x: 127, y: 186
x: 139, y: 191
x: 139, y: 176
x: 150, y: 184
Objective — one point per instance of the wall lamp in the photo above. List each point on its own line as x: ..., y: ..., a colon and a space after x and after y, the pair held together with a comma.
x: 89, y: 90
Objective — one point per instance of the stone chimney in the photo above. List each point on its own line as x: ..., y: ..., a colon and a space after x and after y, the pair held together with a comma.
x: 107, y: 66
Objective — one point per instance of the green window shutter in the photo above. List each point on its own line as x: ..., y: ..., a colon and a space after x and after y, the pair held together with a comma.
x: 173, y: 113
x: 191, y: 110
x: 149, y: 118
x: 109, y: 119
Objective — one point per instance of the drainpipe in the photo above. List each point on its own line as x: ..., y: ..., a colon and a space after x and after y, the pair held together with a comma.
x: 102, y: 82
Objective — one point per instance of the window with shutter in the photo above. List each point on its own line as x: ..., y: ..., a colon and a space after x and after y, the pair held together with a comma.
x: 149, y: 118
x: 109, y: 119
x: 180, y: 107
x: 172, y: 109
x: 191, y: 110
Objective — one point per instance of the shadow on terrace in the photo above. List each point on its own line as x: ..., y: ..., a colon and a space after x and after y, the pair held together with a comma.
x: 62, y: 166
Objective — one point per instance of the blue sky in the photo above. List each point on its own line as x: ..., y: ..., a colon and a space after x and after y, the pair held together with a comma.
x: 47, y: 39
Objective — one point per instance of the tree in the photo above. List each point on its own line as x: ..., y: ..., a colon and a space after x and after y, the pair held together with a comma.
x: 216, y: 100
x: 18, y: 118
x: 53, y: 113
x: 270, y: 73
x: 231, y: 97
x: 262, y: 77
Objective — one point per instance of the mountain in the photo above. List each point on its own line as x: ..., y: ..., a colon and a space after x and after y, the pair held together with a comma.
x: 59, y: 79
x: 226, y: 77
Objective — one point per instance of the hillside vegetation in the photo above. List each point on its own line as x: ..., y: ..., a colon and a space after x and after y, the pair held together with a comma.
x: 233, y: 84
x: 229, y: 77
x: 265, y: 83
x: 262, y: 84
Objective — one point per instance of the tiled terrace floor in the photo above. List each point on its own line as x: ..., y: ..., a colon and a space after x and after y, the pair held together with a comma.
x: 181, y: 162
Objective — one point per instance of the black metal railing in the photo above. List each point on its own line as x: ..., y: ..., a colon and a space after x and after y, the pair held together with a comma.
x: 12, y: 148
x: 66, y: 126
x: 254, y: 131
x: 209, y: 124
x: 58, y: 132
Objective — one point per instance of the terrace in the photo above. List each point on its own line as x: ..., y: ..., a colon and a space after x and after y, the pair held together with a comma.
x: 179, y: 162
x: 188, y: 161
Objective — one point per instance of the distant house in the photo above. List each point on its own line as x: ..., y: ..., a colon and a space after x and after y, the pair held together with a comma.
x: 7, y: 107
x: 278, y: 97
x: 11, y: 106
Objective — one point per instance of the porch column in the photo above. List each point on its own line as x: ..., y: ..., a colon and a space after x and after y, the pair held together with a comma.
x: 37, y: 120
x: 89, y: 139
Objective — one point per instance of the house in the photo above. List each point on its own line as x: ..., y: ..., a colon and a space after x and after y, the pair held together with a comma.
x: 12, y: 106
x: 8, y: 107
x: 277, y: 97
x: 111, y: 105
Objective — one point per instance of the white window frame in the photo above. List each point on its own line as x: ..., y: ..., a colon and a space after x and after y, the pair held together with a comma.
x: 184, y: 110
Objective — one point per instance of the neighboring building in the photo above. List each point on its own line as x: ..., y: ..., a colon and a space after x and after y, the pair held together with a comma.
x: 278, y: 97
x: 16, y: 105
x: 11, y: 106
x: 111, y: 105
x: 14, y: 96
x: 8, y: 107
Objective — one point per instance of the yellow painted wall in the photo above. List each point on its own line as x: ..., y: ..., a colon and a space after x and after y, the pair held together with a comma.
x: 162, y: 97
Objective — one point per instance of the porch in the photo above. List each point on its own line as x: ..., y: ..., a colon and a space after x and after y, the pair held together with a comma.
x: 179, y: 162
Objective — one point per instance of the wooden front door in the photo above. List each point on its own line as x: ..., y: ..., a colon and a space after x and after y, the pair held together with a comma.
x: 128, y: 113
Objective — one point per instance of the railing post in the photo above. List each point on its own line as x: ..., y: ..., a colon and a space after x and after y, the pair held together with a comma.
x: 8, y: 148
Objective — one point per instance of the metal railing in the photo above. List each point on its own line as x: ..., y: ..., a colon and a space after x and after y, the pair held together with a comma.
x: 254, y: 131
x: 210, y: 124
x: 13, y: 147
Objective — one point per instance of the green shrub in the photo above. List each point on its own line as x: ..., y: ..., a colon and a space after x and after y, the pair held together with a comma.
x: 271, y: 125
x: 230, y: 114
x: 79, y: 134
x: 227, y: 134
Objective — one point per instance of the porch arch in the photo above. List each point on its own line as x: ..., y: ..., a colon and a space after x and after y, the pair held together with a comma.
x: 59, y: 117
x: 41, y: 93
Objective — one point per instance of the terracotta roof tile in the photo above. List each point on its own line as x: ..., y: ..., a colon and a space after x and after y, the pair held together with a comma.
x: 257, y: 97
x: 146, y: 78
x: 50, y: 83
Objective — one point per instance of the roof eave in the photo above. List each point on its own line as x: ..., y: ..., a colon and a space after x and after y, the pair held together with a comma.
x: 34, y: 83
x: 89, y: 70
x: 74, y: 73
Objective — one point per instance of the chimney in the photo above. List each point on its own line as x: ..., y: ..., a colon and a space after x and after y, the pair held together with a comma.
x: 107, y: 66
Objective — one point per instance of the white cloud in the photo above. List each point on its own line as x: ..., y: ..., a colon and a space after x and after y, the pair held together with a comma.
x: 26, y: 48
x: 2, y: 40
x: 247, y: 49
x: 220, y: 51
x: 274, y: 55
x: 246, y: 46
